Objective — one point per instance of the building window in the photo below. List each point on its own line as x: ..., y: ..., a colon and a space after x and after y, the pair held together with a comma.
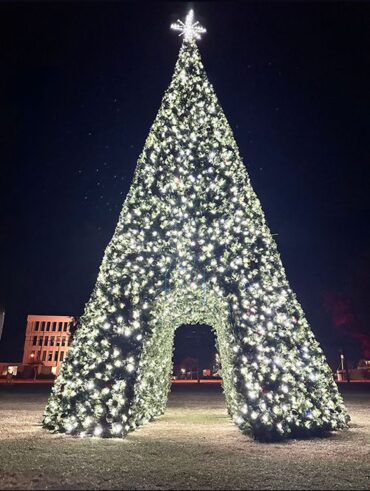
x: 60, y: 326
x: 43, y: 355
x: 40, y: 340
x: 58, y: 341
x: 34, y: 342
x: 36, y: 325
x: 52, y: 340
x: 54, y: 326
x: 46, y: 340
x: 56, y: 355
x: 50, y: 356
x: 42, y: 326
x: 65, y: 328
x: 63, y: 341
x: 61, y: 358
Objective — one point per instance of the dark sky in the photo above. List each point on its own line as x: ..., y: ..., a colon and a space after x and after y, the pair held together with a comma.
x: 197, y: 342
x: 80, y: 86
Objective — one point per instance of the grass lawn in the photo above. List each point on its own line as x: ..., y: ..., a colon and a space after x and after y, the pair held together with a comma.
x: 193, y: 446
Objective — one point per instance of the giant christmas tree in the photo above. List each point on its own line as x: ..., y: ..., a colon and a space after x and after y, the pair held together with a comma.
x: 192, y: 246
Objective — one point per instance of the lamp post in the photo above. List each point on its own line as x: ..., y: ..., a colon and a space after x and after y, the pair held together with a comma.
x: 198, y: 346
x: 344, y: 365
x: 34, y: 366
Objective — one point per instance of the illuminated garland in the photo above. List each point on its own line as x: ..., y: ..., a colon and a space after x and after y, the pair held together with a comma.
x: 192, y: 246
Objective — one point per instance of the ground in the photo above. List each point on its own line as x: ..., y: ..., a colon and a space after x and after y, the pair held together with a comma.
x: 193, y: 446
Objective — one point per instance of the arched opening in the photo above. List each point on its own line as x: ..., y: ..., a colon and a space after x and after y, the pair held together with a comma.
x: 195, y: 355
x: 263, y: 396
x: 172, y: 310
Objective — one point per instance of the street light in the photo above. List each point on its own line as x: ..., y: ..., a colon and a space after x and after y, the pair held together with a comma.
x: 32, y: 356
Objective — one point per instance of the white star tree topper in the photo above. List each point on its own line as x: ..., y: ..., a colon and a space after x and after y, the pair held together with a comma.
x: 190, y: 30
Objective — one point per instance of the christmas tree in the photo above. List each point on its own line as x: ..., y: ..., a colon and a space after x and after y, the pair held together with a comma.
x: 192, y: 246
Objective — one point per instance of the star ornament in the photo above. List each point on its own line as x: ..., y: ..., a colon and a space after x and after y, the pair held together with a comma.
x: 189, y: 29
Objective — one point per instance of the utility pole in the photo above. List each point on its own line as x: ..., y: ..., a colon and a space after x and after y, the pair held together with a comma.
x: 198, y: 346
x: 2, y: 317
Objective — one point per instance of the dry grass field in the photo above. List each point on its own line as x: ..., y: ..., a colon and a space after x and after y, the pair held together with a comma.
x: 193, y: 446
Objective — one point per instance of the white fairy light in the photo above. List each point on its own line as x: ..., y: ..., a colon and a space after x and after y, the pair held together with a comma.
x: 189, y: 29
x: 90, y: 385
x: 69, y: 427
x: 117, y: 428
x: 98, y: 431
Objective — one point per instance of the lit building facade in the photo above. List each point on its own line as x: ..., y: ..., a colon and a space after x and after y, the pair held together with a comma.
x: 48, y: 338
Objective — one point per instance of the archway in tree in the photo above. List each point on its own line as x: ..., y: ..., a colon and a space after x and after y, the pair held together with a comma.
x: 179, y: 307
x: 194, y: 351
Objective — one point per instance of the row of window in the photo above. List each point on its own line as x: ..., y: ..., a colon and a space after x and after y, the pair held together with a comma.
x: 51, y: 341
x: 48, y: 355
x: 51, y: 326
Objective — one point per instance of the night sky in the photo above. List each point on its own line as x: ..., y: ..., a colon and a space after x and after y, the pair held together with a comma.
x: 80, y: 86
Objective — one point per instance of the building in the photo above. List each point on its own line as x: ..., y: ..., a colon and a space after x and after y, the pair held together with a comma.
x: 190, y: 369
x: 47, y: 341
x: 362, y: 372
